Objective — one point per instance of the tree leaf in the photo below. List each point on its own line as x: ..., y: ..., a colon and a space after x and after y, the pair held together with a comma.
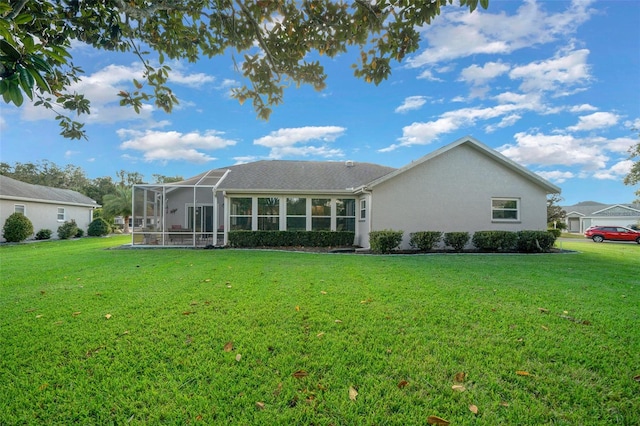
x: 238, y: 357
x: 637, y: 378
x: 75, y: 314
x: 543, y: 310
x: 108, y: 316
x: 228, y: 347
x: 473, y: 409
x: 260, y: 405
x: 402, y: 384
x: 435, y: 420
x: 353, y: 393
x: 459, y: 377
x: 300, y: 374
x: 297, y: 308
x: 458, y: 388
x: 523, y: 373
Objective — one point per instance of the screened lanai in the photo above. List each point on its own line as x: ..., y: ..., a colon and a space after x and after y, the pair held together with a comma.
x: 187, y: 213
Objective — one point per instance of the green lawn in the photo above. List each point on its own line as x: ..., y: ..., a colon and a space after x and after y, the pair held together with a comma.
x: 258, y: 337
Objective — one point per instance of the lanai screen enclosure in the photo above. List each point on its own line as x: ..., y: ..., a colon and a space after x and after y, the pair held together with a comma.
x: 187, y: 213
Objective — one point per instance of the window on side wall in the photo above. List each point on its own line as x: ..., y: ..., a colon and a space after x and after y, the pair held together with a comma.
x: 61, y: 214
x: 240, y: 213
x: 269, y: 214
x: 19, y: 208
x: 321, y: 214
x: 505, y: 209
x: 363, y: 209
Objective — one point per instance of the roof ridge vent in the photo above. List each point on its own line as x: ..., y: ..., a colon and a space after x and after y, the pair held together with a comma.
x: 349, y: 163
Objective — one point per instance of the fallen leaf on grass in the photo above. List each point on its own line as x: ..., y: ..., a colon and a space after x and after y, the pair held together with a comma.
x: 199, y: 418
x: 458, y: 388
x: 366, y: 301
x: 108, y: 316
x: 238, y: 357
x: 319, y: 335
x: 297, y: 308
x: 187, y: 313
x: 75, y: 314
x: 194, y: 303
x: 504, y: 404
x: 260, y: 405
x: 43, y: 386
x: 459, y: 377
x: 353, y: 394
x: 338, y: 321
x: 31, y: 310
x: 473, y: 409
x: 39, y: 316
x: 543, y: 310
x: 435, y: 420
x: 300, y: 374
x: 523, y: 373
x: 323, y: 292
x: 545, y: 328
x: 637, y: 378
x: 402, y: 384
x: 228, y: 346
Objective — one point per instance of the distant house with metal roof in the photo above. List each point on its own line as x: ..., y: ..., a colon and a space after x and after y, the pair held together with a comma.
x: 46, y: 207
x: 591, y: 213
x: 464, y: 186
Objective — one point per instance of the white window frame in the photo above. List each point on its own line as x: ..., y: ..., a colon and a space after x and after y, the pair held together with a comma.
x: 363, y: 209
x: 495, y: 209
x: 18, y: 207
x: 64, y: 214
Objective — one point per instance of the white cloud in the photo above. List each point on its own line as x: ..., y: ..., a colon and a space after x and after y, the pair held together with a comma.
x: 479, y: 76
x: 615, y: 172
x: 428, y: 75
x: 556, y: 176
x: 597, y: 120
x: 555, y: 150
x: 174, y: 146
x: 507, y: 121
x: 411, y: 103
x: 458, y: 34
x: 294, y: 141
x: 564, y: 70
x: 3, y: 123
x: 69, y: 153
x: 583, y: 108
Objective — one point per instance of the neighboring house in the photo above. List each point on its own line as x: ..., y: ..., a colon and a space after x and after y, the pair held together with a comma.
x: 464, y: 186
x: 590, y: 213
x: 46, y: 207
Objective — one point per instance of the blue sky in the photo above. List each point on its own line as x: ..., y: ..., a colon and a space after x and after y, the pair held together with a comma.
x: 553, y: 85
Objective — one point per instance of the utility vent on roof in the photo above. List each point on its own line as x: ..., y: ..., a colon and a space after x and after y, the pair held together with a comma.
x: 349, y: 163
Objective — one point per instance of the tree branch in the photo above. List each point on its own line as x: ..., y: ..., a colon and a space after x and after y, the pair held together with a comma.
x: 17, y: 9
x: 261, y: 41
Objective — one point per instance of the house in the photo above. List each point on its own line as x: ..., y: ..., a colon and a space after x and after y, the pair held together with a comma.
x: 464, y: 186
x: 46, y: 207
x: 590, y: 213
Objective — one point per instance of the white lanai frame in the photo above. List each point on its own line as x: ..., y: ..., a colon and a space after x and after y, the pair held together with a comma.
x: 183, y: 213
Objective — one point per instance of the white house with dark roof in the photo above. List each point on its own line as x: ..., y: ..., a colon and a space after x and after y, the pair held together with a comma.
x: 590, y: 213
x: 46, y: 207
x: 464, y: 186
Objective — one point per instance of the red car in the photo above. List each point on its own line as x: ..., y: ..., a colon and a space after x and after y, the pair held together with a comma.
x: 613, y: 233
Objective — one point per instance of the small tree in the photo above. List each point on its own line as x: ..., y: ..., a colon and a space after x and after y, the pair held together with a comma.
x: 98, y: 228
x: 17, y: 228
x: 119, y: 204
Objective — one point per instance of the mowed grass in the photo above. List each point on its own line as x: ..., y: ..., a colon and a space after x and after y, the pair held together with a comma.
x: 526, y: 339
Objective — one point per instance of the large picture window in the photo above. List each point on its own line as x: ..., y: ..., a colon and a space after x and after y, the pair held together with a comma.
x: 240, y: 214
x: 269, y: 214
x: 505, y: 209
x: 296, y: 214
x: 321, y: 214
x: 345, y: 214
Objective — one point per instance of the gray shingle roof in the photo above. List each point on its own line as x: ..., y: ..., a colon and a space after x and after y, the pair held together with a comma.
x: 14, y: 189
x: 282, y: 175
x: 587, y: 208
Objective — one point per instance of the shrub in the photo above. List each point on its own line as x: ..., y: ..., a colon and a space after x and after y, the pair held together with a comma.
x: 79, y: 233
x: 425, y: 240
x: 98, y: 228
x: 495, y: 240
x: 43, y: 234
x: 68, y: 230
x: 384, y: 241
x: 535, y: 241
x: 456, y: 240
x: 248, y: 239
x: 17, y: 228
x: 556, y: 232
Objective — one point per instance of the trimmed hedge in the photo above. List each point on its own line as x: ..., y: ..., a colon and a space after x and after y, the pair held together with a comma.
x: 98, y: 228
x: 247, y: 239
x: 425, y: 240
x: 17, y: 228
x: 385, y: 241
x: 68, y: 230
x: 535, y: 241
x: 456, y: 240
x: 556, y: 232
x: 495, y: 240
x: 43, y: 234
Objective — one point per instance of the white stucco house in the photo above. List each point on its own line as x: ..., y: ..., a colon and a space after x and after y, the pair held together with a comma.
x: 463, y: 186
x: 590, y: 213
x: 46, y: 207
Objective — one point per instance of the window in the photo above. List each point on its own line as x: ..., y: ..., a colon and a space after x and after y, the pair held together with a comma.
x: 60, y: 214
x: 296, y: 214
x: 505, y: 209
x: 19, y: 208
x: 269, y: 214
x: 363, y: 209
x: 321, y: 214
x: 240, y: 213
x: 345, y: 214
